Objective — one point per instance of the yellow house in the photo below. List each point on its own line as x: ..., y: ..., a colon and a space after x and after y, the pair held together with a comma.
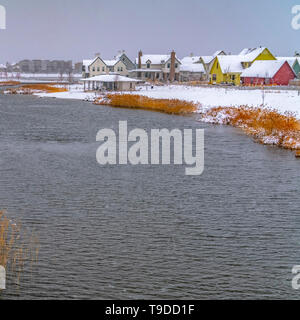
x: 228, y: 69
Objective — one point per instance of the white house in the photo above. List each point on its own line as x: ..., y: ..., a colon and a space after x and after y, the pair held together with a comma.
x: 157, y: 67
x: 121, y: 64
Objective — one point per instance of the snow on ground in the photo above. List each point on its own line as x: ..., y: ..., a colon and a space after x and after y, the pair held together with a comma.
x: 282, y: 100
x: 32, y: 77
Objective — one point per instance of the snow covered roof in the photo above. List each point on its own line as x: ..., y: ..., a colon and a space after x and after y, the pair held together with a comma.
x: 189, y: 60
x: 207, y: 59
x: 290, y: 60
x: 155, y: 58
x: 217, y: 53
x: 87, y: 63
x: 263, y: 69
x: 110, y: 78
x: 110, y: 63
x: 249, y: 54
x: 192, y: 67
x: 231, y: 64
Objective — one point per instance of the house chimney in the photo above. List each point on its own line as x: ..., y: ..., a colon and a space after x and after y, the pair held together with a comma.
x: 172, y: 69
x: 140, y: 59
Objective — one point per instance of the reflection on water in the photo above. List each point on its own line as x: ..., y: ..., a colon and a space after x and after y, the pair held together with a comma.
x: 146, y: 231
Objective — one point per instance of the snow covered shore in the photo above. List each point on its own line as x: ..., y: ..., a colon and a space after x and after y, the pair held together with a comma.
x: 281, y: 100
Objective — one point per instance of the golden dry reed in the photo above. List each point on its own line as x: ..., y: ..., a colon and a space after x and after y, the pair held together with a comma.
x: 171, y: 106
x: 267, y: 125
x: 9, y: 83
x: 32, y: 88
x: 16, y: 248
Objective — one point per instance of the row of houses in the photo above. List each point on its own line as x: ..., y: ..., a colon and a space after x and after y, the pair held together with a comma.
x: 252, y: 66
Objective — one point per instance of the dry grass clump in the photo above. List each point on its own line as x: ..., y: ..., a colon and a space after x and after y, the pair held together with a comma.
x: 267, y: 125
x: 16, y: 248
x: 33, y: 88
x: 172, y: 106
x: 9, y: 83
x: 44, y: 87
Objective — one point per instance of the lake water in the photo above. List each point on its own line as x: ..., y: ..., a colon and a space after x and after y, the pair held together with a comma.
x: 146, y: 232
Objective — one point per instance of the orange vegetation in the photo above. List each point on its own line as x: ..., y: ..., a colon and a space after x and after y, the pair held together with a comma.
x: 172, y: 106
x: 32, y: 88
x: 15, y: 247
x: 266, y: 125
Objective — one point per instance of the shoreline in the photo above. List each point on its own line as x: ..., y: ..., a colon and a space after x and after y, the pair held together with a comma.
x: 276, y: 126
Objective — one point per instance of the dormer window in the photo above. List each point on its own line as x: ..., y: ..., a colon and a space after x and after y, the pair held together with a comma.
x: 148, y: 65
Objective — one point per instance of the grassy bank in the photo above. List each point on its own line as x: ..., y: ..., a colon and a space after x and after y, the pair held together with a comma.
x: 35, y: 88
x: 9, y: 83
x: 266, y: 125
x: 171, y: 106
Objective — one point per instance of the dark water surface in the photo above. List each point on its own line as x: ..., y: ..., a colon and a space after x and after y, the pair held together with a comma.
x: 129, y: 232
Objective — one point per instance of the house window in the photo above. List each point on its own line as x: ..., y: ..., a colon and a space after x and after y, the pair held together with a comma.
x: 169, y: 65
x: 146, y: 74
x: 98, y: 69
x: 121, y: 69
x: 233, y: 77
x: 214, y: 77
x: 94, y: 69
x: 148, y: 65
x: 103, y: 69
x: 176, y: 65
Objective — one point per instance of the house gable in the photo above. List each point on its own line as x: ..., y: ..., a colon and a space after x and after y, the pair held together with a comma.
x: 265, y: 55
x: 128, y: 63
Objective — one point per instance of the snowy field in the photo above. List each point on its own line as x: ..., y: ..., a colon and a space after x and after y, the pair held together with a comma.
x: 282, y: 100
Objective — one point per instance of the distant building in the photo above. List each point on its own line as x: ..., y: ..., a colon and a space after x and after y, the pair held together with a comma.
x: 157, y: 67
x: 45, y: 66
x: 78, y: 67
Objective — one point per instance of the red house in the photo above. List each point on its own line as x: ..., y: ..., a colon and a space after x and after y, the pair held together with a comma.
x: 275, y: 72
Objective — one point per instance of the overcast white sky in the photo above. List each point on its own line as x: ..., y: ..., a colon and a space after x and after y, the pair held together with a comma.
x: 76, y: 29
